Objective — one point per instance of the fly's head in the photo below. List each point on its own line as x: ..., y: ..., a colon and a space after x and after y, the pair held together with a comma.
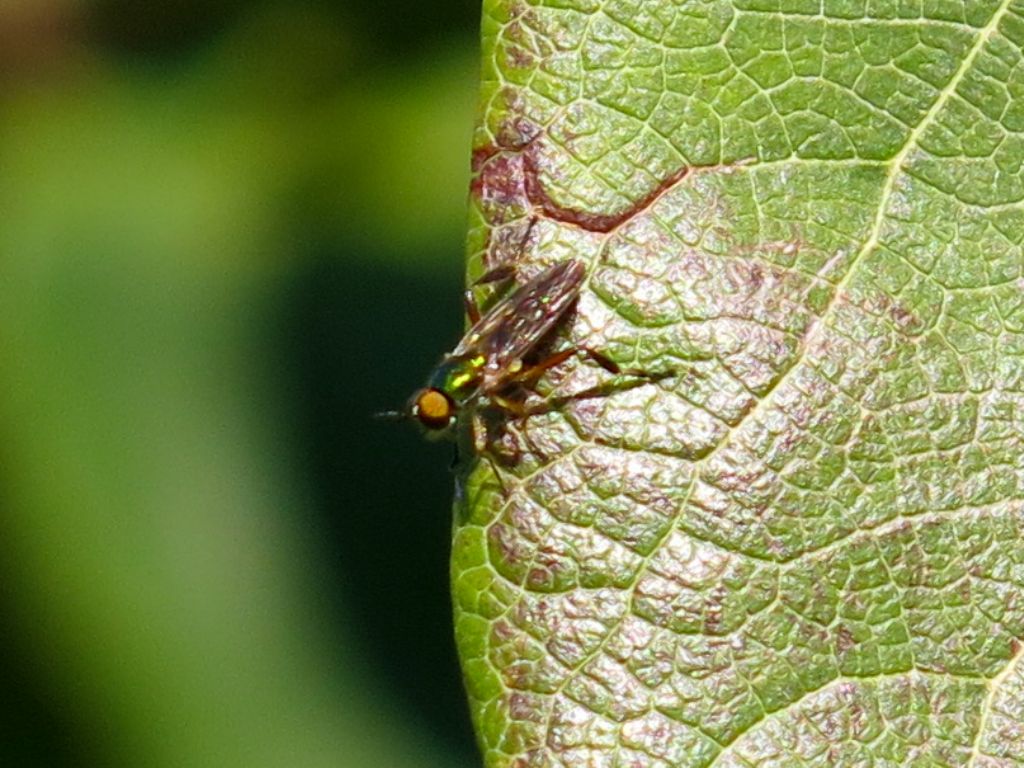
x: 436, y: 412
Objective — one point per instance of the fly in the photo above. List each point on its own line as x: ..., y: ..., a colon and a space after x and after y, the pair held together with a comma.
x: 498, y: 361
x: 489, y: 365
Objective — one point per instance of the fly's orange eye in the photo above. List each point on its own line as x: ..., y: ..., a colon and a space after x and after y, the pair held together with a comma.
x: 433, y: 409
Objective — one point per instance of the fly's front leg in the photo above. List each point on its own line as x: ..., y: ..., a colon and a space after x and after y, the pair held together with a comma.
x: 483, y: 445
x: 520, y: 412
x: 487, y: 434
x: 480, y: 433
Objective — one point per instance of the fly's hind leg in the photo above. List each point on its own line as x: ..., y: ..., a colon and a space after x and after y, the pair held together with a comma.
x: 528, y: 376
x: 612, y: 367
x: 500, y: 274
x: 639, y: 378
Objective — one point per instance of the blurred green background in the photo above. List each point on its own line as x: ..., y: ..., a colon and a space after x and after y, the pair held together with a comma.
x: 231, y: 231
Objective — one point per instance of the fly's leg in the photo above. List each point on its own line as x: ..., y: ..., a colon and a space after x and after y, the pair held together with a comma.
x: 471, y: 307
x: 480, y: 433
x: 497, y: 275
x: 610, y: 387
x: 529, y: 376
x: 612, y: 367
x: 483, y: 445
x: 519, y: 411
x: 526, y: 379
x: 511, y: 407
x: 500, y: 274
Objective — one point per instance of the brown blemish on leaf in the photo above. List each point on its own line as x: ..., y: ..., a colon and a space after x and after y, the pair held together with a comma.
x: 844, y: 639
x: 882, y: 304
x: 523, y: 707
x: 755, y: 276
x: 713, y: 610
x: 500, y: 188
x: 508, y: 552
x: 507, y: 177
x: 592, y: 222
x: 517, y: 57
x: 479, y: 157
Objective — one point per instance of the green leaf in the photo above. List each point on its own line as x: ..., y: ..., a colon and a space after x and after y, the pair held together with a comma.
x: 804, y: 547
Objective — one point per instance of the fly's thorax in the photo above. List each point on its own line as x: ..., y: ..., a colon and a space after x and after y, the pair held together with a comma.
x: 488, y: 363
x: 458, y: 376
x: 453, y: 384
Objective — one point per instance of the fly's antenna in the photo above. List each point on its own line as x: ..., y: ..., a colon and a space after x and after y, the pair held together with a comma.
x: 391, y: 416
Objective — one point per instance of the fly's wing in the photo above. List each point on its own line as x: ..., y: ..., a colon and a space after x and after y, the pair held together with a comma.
x: 515, y: 325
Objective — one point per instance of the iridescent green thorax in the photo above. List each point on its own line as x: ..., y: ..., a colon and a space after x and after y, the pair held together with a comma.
x: 487, y: 366
x: 458, y: 377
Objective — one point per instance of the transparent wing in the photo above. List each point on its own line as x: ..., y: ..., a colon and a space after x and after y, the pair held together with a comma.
x: 517, y: 323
